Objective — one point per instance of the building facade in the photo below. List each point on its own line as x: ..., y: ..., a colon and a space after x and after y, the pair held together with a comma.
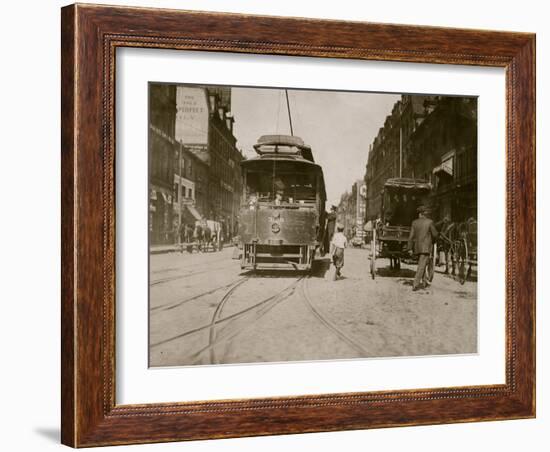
x: 204, y: 126
x: 384, y: 160
x: 190, y: 188
x: 225, y: 180
x: 345, y: 213
x: 162, y: 120
x: 444, y: 152
x: 194, y: 164
x: 360, y: 207
x: 432, y: 138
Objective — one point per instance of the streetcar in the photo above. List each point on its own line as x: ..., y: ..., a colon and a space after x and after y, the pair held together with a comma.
x: 401, y: 198
x: 282, y: 212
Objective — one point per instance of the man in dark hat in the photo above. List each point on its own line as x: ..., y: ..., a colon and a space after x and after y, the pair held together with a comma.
x: 421, y: 239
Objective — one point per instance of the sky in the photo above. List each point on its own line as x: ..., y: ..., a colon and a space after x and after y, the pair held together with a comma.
x: 339, y: 126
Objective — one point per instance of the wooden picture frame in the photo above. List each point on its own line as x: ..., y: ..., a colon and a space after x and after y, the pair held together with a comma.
x: 90, y: 36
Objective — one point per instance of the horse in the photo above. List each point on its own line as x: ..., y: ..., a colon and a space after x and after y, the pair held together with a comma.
x: 445, y: 244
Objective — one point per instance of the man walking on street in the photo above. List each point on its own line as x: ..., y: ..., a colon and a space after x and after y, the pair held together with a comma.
x: 329, y: 229
x: 421, y: 240
x: 338, y: 245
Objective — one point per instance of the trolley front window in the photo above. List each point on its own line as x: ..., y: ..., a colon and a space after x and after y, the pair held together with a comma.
x: 281, y: 183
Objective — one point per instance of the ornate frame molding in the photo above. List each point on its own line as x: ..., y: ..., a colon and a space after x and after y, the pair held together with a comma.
x: 90, y: 37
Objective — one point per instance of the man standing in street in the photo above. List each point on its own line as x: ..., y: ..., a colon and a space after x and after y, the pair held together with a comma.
x: 329, y: 228
x: 338, y: 244
x: 421, y: 240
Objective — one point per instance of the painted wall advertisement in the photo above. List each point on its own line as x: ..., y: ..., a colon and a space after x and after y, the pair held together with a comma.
x: 191, y: 116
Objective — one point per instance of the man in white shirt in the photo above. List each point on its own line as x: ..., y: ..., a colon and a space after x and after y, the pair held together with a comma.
x: 337, y: 245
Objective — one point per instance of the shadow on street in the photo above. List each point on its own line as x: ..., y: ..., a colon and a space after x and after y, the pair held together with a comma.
x: 318, y: 270
x: 391, y: 273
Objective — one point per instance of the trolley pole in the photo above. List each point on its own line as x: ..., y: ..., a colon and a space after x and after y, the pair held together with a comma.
x: 289, y: 115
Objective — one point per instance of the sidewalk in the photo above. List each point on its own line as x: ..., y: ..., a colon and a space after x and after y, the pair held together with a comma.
x: 159, y: 249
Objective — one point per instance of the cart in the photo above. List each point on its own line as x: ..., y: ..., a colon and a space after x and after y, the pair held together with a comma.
x: 400, y: 199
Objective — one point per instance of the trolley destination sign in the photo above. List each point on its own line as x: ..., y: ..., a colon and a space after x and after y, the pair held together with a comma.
x: 299, y: 225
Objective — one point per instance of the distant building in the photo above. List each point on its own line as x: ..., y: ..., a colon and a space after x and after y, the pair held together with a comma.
x: 360, y: 207
x: 345, y: 214
x: 351, y: 210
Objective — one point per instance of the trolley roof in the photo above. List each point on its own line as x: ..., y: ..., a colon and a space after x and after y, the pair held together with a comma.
x: 283, y: 144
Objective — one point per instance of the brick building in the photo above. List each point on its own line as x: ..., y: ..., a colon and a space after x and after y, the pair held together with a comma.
x: 204, y: 126
x: 384, y: 160
x: 162, y: 118
x: 444, y: 152
x: 432, y: 138
x: 190, y: 187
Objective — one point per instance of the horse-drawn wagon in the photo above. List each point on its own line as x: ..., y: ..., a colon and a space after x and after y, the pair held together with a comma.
x: 401, y: 198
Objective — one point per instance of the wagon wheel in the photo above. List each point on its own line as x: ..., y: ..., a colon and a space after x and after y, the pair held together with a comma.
x: 466, y: 261
x: 462, y: 259
x: 471, y: 261
x: 457, y: 250
x: 373, y: 254
x: 431, y: 264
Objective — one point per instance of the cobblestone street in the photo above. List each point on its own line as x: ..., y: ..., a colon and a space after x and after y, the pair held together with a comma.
x: 205, y: 310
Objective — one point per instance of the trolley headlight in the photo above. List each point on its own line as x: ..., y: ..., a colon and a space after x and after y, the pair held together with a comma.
x: 275, y: 228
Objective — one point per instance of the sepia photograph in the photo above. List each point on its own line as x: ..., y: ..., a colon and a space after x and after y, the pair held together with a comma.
x: 300, y: 225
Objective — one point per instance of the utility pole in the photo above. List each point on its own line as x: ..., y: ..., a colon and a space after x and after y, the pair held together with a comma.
x: 400, y: 151
x: 180, y: 200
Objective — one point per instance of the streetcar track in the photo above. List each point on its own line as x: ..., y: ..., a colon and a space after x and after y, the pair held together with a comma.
x: 171, y: 269
x: 182, y: 276
x: 260, y: 309
x: 276, y: 300
x: 216, y: 315
x: 328, y: 324
x: 162, y: 270
x: 213, y: 341
x: 219, y: 321
x: 170, y: 306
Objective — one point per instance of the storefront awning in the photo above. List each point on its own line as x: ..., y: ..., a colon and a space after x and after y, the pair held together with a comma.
x: 194, y: 212
x: 445, y: 167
